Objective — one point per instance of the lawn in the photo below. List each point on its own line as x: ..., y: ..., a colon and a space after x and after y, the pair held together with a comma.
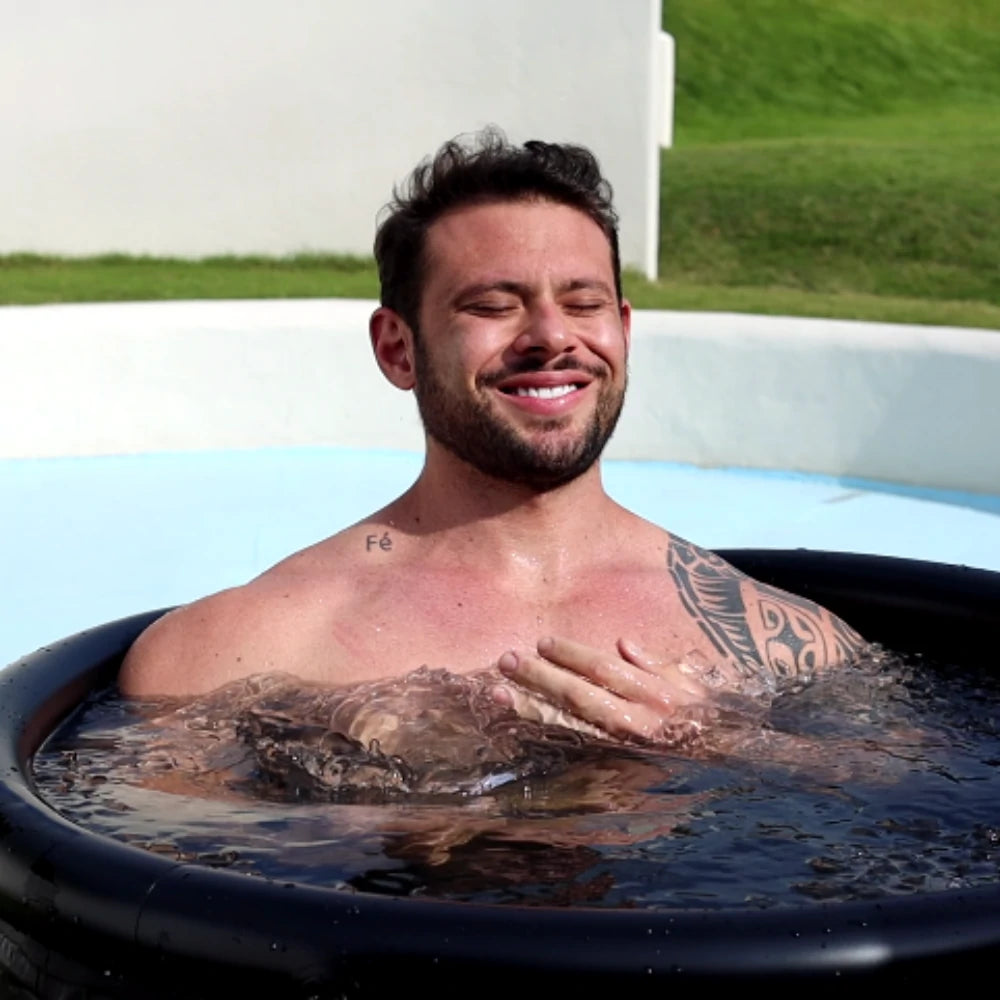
x: 836, y: 157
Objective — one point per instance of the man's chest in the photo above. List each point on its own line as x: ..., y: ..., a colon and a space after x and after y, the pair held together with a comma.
x: 466, y: 628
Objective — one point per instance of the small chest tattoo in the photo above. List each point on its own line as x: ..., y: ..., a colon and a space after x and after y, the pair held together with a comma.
x: 374, y: 542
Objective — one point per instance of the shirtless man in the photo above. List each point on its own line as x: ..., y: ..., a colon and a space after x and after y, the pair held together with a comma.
x: 502, y: 309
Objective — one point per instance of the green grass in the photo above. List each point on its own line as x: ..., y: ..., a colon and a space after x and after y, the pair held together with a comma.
x: 33, y: 280
x: 894, y: 217
x: 30, y: 279
x: 778, y: 301
x: 833, y: 158
x: 836, y: 156
x: 781, y: 68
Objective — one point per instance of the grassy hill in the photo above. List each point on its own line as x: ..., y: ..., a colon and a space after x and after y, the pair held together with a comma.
x: 794, y: 68
x: 836, y: 150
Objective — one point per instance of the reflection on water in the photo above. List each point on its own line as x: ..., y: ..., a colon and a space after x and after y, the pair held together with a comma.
x: 878, y: 779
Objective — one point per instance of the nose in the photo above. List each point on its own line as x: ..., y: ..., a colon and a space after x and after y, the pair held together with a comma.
x: 545, y: 331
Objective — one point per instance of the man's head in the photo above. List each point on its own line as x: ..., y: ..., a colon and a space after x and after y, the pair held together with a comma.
x: 487, y: 169
x: 502, y: 308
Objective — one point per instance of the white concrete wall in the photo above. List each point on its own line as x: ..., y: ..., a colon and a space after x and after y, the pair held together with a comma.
x: 916, y: 405
x: 907, y: 404
x: 201, y: 127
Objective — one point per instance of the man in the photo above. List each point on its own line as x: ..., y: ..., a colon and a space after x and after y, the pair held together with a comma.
x: 502, y: 310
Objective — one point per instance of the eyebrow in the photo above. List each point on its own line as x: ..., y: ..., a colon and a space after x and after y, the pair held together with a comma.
x: 587, y: 285
x: 483, y: 288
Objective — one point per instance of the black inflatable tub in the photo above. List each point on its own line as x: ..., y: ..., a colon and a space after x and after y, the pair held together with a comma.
x: 83, y: 916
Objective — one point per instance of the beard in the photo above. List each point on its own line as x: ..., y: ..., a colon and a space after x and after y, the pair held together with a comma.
x: 468, y: 427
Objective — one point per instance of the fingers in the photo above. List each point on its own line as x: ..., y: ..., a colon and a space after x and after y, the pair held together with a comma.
x: 628, y: 695
x: 629, y: 680
x: 633, y: 675
x: 579, y: 695
x: 685, y: 688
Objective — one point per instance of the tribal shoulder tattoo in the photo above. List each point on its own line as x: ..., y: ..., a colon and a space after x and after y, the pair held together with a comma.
x: 754, y: 624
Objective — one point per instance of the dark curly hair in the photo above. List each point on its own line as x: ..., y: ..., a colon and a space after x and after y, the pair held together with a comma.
x: 485, y: 167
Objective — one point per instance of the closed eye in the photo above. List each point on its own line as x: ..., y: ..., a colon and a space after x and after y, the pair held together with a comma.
x: 585, y: 308
x: 489, y: 308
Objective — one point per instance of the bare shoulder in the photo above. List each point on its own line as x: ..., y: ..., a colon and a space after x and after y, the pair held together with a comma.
x: 281, y: 621
x: 754, y: 623
x: 270, y: 624
x: 176, y: 654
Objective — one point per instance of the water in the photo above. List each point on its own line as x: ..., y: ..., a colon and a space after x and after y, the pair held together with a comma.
x: 878, y: 780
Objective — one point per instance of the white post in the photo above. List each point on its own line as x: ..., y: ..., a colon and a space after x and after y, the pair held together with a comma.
x: 667, y: 73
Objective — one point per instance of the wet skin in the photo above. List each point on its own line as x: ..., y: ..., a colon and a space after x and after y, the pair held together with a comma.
x: 506, y: 551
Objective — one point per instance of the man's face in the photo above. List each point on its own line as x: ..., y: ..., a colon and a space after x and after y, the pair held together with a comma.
x: 521, y: 353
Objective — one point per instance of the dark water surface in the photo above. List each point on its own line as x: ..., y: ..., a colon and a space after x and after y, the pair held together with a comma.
x: 881, y: 779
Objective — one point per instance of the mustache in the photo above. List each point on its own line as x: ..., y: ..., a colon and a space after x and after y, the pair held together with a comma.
x: 531, y: 365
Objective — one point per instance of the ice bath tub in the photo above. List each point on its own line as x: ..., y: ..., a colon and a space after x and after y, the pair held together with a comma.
x: 78, y: 910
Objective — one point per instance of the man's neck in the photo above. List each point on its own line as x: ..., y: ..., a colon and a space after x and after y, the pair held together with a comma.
x: 463, y: 516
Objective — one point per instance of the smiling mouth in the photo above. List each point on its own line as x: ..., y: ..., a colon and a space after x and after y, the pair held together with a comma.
x: 543, y: 392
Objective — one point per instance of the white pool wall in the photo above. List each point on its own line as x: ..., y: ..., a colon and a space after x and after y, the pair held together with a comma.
x: 902, y: 404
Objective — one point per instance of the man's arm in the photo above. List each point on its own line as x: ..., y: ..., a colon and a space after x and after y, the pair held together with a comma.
x: 756, y: 626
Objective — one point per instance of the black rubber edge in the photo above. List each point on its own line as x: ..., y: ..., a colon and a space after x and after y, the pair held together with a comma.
x: 80, y: 909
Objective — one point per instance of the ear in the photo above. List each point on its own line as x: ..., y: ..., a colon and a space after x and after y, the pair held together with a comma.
x: 392, y: 342
x: 626, y: 316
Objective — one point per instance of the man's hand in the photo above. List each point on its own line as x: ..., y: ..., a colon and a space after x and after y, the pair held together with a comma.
x: 629, y: 694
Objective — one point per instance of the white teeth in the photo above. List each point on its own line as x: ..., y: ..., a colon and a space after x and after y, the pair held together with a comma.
x: 545, y: 392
